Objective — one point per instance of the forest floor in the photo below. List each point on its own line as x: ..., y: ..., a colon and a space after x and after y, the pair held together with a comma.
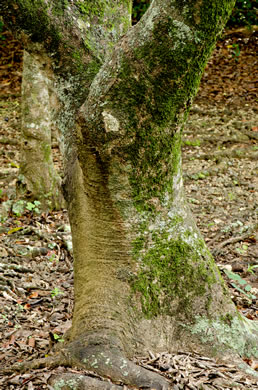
x: 220, y: 152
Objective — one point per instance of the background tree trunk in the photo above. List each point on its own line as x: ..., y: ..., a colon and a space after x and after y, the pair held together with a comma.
x: 38, y: 178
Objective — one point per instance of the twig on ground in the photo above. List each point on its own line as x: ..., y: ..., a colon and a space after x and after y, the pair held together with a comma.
x: 49, y: 362
x: 233, y: 240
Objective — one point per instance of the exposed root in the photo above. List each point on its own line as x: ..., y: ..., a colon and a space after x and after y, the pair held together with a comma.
x: 106, y: 362
x: 81, y: 382
x: 47, y: 362
x: 111, y: 363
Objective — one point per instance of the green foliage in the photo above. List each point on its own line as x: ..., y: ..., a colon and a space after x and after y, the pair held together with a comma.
x: 56, y: 292
x: 231, y: 196
x: 195, y: 142
x: 20, y: 307
x: 58, y: 338
x: 33, y: 206
x: 2, y: 37
x: 235, y: 50
x: 251, y: 268
x: 199, y: 175
x: 139, y: 7
x: 5, y: 317
x: 234, y: 225
x: 244, y: 13
x: 52, y: 256
x: 14, y: 165
x: 242, y: 250
x: 240, y: 284
x: 19, y: 207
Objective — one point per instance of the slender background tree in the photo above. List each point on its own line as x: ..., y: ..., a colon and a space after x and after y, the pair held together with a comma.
x: 38, y: 178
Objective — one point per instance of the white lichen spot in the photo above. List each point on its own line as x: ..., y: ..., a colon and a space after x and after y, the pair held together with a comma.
x: 94, y: 363
x: 239, y: 335
x: 110, y: 122
x: 108, y: 362
x: 183, y: 34
x: 59, y: 385
x: 124, y: 364
x: 83, y: 26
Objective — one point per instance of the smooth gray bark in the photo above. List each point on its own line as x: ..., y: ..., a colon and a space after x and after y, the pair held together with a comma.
x: 38, y: 178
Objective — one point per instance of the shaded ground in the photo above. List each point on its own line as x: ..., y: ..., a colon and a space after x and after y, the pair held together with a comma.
x: 219, y: 155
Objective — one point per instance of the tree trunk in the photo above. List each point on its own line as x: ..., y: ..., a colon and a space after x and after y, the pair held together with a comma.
x: 38, y: 178
x: 143, y: 276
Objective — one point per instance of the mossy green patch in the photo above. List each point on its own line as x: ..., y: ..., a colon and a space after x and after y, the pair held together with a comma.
x: 158, y: 102
x: 170, y: 275
x: 86, y: 72
x: 58, y: 7
x: 105, y: 11
x: 29, y: 22
x: 46, y: 149
x: 91, y: 7
x: 155, y: 153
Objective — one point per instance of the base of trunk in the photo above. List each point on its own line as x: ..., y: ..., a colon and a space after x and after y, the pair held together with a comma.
x: 106, y: 366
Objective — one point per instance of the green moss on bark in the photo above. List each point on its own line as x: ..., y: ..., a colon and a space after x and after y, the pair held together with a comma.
x: 170, y: 276
x: 154, y: 137
x: 91, y: 7
x: 29, y: 17
x: 155, y: 83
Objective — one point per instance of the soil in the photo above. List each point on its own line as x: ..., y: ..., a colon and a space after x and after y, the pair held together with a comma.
x: 220, y: 174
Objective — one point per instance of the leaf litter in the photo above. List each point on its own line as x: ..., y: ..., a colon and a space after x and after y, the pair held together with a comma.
x: 220, y: 175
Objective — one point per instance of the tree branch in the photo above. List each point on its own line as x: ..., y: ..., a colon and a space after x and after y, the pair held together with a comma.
x: 158, y: 64
x: 74, y: 34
